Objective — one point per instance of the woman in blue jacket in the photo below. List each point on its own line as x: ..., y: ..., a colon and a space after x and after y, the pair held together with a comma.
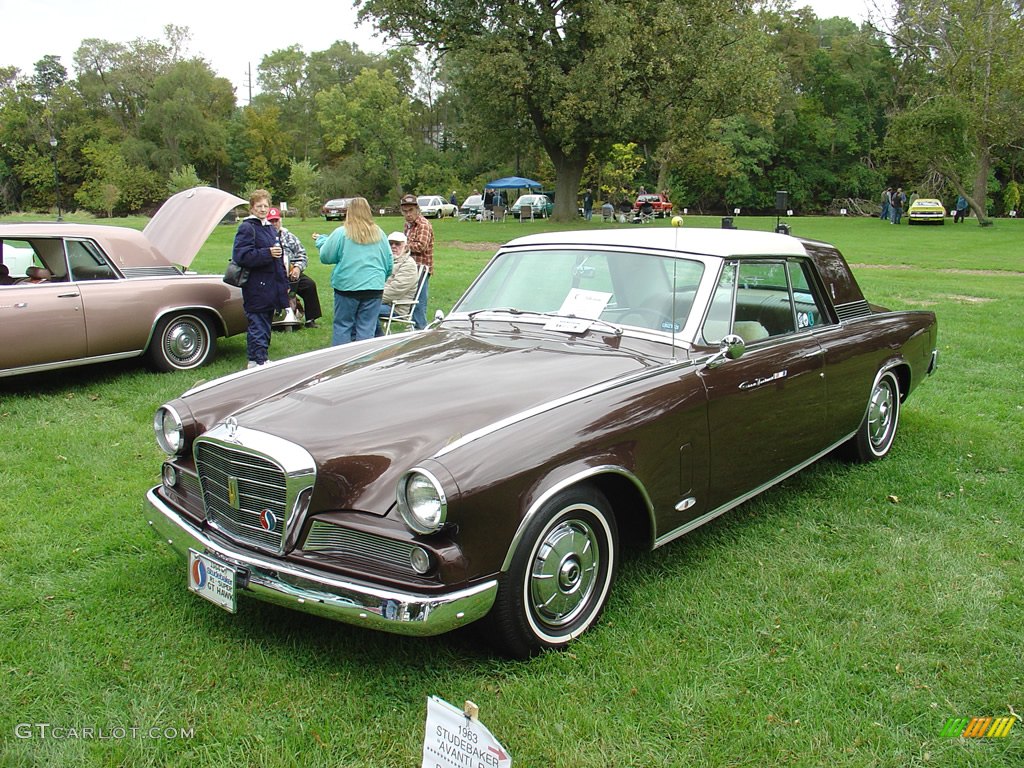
x: 362, y: 263
x: 257, y: 249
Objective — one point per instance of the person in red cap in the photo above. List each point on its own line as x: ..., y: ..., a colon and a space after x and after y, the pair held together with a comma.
x: 420, y: 236
x: 301, y: 283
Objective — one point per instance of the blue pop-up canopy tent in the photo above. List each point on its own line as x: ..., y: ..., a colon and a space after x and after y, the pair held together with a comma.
x: 513, y: 182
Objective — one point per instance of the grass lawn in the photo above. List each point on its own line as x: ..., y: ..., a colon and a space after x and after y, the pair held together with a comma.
x: 840, y: 619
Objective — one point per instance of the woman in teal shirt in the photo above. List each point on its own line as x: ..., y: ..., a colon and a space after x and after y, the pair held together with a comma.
x: 362, y: 263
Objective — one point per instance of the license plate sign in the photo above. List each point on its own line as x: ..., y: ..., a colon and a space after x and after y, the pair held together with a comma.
x: 212, y: 579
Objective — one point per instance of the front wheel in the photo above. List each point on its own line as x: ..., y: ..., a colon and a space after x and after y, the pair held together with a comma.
x: 560, y: 576
x: 877, y: 432
x: 182, y: 342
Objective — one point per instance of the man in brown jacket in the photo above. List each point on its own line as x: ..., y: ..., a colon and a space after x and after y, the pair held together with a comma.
x: 421, y: 243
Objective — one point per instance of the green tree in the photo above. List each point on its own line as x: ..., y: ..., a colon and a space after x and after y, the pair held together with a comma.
x: 184, y: 178
x: 569, y: 77
x: 370, y: 117
x: 112, y: 184
x: 964, y: 87
x: 187, y: 111
x: 303, y: 181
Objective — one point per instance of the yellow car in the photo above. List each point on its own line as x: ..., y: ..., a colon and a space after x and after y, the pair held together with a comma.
x: 926, y: 210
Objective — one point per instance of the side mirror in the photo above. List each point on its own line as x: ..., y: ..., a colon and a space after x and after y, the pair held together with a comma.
x: 731, y: 347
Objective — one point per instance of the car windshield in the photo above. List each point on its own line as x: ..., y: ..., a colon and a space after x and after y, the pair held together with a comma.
x: 422, y: 201
x: 628, y: 289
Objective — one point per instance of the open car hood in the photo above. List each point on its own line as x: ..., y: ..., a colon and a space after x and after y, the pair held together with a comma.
x: 185, y: 221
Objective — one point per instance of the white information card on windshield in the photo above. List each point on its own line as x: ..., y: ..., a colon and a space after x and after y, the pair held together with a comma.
x: 578, y: 309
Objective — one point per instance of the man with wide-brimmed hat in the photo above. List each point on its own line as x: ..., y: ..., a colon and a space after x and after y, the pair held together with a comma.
x: 420, y: 237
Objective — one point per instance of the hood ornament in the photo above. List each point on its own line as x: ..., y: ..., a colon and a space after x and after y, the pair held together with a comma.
x: 231, y: 425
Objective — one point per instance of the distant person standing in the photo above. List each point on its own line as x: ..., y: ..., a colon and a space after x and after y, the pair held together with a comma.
x: 420, y: 236
x: 588, y: 204
x: 362, y: 263
x: 961, y: 210
x: 886, y: 203
x: 899, y: 201
x: 453, y: 199
x: 258, y: 249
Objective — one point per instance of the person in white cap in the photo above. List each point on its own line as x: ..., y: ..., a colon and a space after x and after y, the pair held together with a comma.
x: 401, y: 285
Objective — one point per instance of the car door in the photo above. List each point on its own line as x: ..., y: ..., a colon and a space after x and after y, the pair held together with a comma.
x: 42, y: 323
x: 767, y: 410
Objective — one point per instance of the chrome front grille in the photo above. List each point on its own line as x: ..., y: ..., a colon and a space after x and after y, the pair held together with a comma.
x: 245, y: 494
x: 335, y: 540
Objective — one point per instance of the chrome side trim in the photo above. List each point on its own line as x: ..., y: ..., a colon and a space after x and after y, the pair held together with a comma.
x: 709, y: 516
x: 70, y: 363
x: 306, y: 589
x: 563, y: 484
x: 581, y: 394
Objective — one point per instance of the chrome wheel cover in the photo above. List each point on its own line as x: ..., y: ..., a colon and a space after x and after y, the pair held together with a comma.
x: 185, y: 342
x: 565, y: 571
x: 881, y: 415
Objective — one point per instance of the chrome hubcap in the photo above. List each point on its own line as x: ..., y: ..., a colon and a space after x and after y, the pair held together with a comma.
x: 880, y: 415
x: 564, y: 572
x: 183, y: 342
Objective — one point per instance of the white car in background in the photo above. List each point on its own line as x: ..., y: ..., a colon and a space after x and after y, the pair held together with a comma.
x: 436, y: 207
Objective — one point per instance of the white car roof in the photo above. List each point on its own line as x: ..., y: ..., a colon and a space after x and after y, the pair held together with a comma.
x: 711, y: 242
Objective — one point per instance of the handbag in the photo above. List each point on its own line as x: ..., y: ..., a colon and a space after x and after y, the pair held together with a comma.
x: 235, y: 274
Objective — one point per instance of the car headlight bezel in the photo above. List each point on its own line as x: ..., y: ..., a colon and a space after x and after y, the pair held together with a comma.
x: 422, y: 501
x: 169, y: 428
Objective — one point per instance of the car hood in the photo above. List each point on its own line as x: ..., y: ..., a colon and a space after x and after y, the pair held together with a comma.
x: 368, y: 418
x: 185, y: 221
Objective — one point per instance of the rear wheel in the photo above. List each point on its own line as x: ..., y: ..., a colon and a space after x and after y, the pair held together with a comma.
x: 560, y: 576
x: 878, y: 430
x: 182, y: 342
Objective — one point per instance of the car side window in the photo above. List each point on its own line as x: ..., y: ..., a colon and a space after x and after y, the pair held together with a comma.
x: 809, y: 313
x: 761, y: 299
x: 87, y: 263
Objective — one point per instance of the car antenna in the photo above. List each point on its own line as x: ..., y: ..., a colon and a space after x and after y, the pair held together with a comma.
x: 676, y: 224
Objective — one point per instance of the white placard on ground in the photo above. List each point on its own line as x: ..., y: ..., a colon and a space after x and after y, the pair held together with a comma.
x: 455, y: 740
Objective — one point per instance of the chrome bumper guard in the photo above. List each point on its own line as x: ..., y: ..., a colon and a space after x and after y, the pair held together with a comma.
x: 320, y: 593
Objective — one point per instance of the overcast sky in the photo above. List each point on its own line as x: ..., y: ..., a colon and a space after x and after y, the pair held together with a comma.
x: 231, y: 36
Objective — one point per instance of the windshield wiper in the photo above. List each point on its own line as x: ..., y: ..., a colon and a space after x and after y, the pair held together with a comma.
x: 616, y: 330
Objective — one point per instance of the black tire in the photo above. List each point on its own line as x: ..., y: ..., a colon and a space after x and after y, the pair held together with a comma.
x: 182, y: 342
x: 560, y: 576
x: 877, y: 432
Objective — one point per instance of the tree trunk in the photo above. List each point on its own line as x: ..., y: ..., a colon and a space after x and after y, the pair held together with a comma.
x: 977, y: 200
x: 568, y: 172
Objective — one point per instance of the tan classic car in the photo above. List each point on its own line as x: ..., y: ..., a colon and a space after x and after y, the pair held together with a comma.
x: 590, y: 391
x: 84, y: 293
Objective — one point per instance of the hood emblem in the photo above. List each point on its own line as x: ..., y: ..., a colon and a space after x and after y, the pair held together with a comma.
x: 231, y: 425
x: 233, y: 497
x: 268, y: 521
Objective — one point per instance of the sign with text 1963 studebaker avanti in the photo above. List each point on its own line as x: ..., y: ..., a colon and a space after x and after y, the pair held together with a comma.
x: 590, y: 391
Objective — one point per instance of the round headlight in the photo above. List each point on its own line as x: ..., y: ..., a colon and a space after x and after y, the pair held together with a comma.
x: 170, y: 475
x: 170, y: 432
x: 419, y: 559
x: 422, y: 501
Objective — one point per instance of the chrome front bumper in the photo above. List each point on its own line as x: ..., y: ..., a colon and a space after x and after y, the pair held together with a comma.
x: 321, y: 593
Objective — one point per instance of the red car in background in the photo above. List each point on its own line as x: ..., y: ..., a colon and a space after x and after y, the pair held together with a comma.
x: 661, y: 206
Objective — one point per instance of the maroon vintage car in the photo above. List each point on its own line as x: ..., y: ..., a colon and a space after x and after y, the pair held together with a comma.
x: 84, y: 293
x: 589, y: 391
x: 655, y: 205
